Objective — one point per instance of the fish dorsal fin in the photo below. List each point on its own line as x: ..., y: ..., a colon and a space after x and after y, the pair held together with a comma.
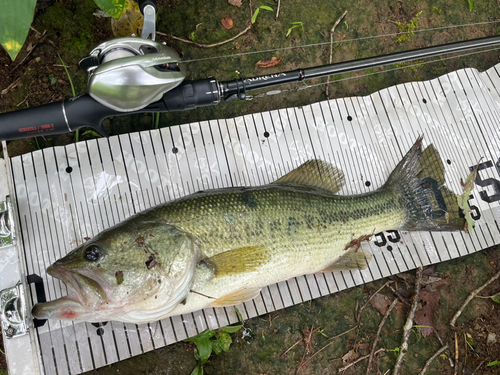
x: 349, y: 260
x: 244, y: 259
x: 235, y: 298
x: 317, y: 173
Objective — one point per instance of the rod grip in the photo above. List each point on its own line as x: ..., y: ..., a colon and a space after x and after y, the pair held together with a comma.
x: 55, y: 118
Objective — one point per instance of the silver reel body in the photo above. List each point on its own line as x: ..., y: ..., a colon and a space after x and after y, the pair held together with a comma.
x: 127, y: 74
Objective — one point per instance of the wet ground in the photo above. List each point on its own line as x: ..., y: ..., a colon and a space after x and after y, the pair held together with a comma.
x: 70, y: 29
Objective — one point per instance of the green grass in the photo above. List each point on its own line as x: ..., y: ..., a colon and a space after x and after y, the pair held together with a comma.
x: 72, y: 90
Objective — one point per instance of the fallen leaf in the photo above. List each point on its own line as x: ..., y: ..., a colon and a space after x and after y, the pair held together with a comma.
x: 350, y: 357
x: 381, y: 303
x: 429, y: 271
x: 268, y: 63
x: 430, y: 303
x: 401, y: 309
x: 227, y: 23
x: 236, y: 3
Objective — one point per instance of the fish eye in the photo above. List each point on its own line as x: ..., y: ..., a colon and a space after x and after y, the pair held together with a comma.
x: 92, y: 253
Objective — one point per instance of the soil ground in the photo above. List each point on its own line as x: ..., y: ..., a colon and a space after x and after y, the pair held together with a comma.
x: 68, y: 30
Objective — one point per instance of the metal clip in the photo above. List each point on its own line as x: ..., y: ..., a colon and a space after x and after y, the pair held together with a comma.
x: 13, y: 312
x: 7, y: 233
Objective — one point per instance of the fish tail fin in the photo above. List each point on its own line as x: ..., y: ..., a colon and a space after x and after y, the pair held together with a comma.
x: 419, y: 181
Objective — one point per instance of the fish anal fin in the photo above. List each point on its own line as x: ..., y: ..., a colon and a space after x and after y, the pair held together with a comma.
x: 236, y: 261
x: 317, y: 173
x: 235, y: 298
x: 352, y: 259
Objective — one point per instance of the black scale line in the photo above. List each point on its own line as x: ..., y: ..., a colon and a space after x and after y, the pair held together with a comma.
x: 230, y: 182
x: 380, y: 157
x: 394, y: 162
x: 103, y: 227
x: 80, y: 359
x: 453, y: 151
x: 474, y: 133
x: 409, y: 143
x: 269, y: 169
x: 433, y: 137
x: 458, y: 128
x: 364, y: 171
x: 351, y: 173
x: 324, y: 157
x: 31, y: 217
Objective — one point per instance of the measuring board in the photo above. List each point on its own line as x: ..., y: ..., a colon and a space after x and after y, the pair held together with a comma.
x: 65, y: 195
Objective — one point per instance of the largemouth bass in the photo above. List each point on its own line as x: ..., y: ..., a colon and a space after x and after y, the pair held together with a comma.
x: 220, y: 247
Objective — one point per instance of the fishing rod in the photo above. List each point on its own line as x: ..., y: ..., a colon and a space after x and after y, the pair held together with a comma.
x: 139, y: 75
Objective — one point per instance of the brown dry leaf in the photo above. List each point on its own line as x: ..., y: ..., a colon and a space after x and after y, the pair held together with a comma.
x: 350, y: 357
x: 425, y: 313
x: 227, y: 23
x: 236, y: 3
x: 381, y: 303
x: 268, y: 63
x: 401, y: 309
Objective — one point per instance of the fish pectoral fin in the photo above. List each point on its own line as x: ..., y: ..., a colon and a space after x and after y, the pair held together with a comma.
x: 317, y: 173
x: 236, y: 261
x: 349, y: 260
x: 235, y: 298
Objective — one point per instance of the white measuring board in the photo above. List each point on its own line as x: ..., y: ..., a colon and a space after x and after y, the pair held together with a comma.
x: 67, y: 194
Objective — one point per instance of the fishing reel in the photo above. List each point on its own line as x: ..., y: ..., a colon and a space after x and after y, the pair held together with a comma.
x: 127, y: 74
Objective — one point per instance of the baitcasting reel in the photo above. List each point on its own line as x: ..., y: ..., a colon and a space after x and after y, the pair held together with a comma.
x: 127, y: 74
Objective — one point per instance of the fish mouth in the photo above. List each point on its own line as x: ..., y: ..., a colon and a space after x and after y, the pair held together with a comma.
x: 86, y: 287
x: 86, y: 296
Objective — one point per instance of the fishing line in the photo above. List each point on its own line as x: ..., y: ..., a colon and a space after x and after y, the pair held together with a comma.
x: 339, y: 41
x: 306, y: 86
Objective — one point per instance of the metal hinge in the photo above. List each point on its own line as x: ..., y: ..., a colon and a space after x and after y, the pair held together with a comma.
x: 7, y: 232
x: 13, y: 312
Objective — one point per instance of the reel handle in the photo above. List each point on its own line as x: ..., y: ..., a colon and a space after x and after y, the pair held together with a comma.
x: 143, y: 3
x: 148, y: 9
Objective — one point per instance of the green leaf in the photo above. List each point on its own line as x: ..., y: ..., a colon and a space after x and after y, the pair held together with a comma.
x: 496, y: 298
x: 266, y: 8
x: 232, y: 329
x: 97, y: 135
x: 239, y: 315
x: 494, y: 363
x: 53, y: 79
x: 203, y: 344
x: 254, y: 17
x: 192, y: 37
x: 15, y: 21
x: 289, y: 31
x: 297, y: 23
x: 471, y: 5
x: 113, y: 7
x: 224, y: 340
x: 198, y: 370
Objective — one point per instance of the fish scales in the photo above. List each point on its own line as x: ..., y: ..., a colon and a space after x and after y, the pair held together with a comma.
x: 285, y: 217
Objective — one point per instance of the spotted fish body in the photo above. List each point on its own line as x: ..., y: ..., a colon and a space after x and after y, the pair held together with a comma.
x: 220, y: 247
